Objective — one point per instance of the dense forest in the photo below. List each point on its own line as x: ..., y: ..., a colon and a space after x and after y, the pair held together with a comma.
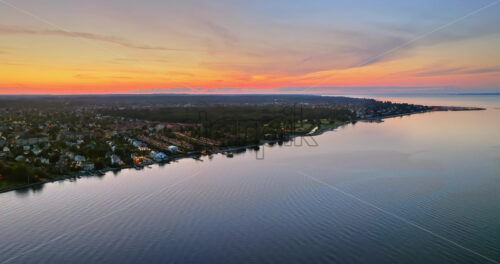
x: 241, y: 125
x: 263, y: 114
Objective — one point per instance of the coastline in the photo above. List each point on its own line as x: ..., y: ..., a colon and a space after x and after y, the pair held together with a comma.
x: 318, y: 132
x: 188, y: 156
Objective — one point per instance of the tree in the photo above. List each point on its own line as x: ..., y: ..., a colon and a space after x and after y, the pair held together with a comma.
x: 99, y: 164
x: 21, y: 173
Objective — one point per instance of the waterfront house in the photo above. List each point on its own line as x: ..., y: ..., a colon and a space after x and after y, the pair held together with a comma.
x: 138, y: 160
x: 88, y: 166
x: 158, y: 156
x: 173, y: 149
x: 115, y: 159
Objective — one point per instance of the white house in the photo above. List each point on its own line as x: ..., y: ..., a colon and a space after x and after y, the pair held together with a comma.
x: 173, y: 149
x: 36, y: 151
x: 136, y: 143
x: 115, y: 159
x: 88, y: 166
x: 143, y: 147
x: 79, y: 159
x: 158, y: 156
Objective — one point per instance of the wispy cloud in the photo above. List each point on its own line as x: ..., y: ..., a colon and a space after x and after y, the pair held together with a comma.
x: 93, y: 77
x: 457, y: 71
x: 221, y: 32
x: 332, y: 49
x: 81, y: 35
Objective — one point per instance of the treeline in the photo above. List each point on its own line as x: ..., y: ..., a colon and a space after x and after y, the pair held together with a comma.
x: 231, y: 114
x: 240, y: 125
x: 161, y: 100
x: 19, y: 173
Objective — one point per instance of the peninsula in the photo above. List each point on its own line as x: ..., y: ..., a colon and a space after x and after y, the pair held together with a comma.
x: 44, y: 138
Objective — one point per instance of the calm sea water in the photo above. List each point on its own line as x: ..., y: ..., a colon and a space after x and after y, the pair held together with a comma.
x: 417, y: 189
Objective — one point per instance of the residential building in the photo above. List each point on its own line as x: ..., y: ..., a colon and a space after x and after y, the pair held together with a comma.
x: 88, y: 166
x: 31, y: 140
x: 115, y: 160
x: 173, y: 149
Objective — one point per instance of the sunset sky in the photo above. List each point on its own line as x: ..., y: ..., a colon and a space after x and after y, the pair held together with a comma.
x: 219, y: 46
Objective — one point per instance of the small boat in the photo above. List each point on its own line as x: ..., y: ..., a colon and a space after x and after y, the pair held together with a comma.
x: 230, y: 154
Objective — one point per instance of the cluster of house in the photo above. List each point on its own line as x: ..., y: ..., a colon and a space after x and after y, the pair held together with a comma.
x: 153, y: 156
x: 157, y: 156
x: 138, y: 144
x: 77, y: 161
x: 31, y: 140
x: 36, y: 147
x: 29, y: 144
